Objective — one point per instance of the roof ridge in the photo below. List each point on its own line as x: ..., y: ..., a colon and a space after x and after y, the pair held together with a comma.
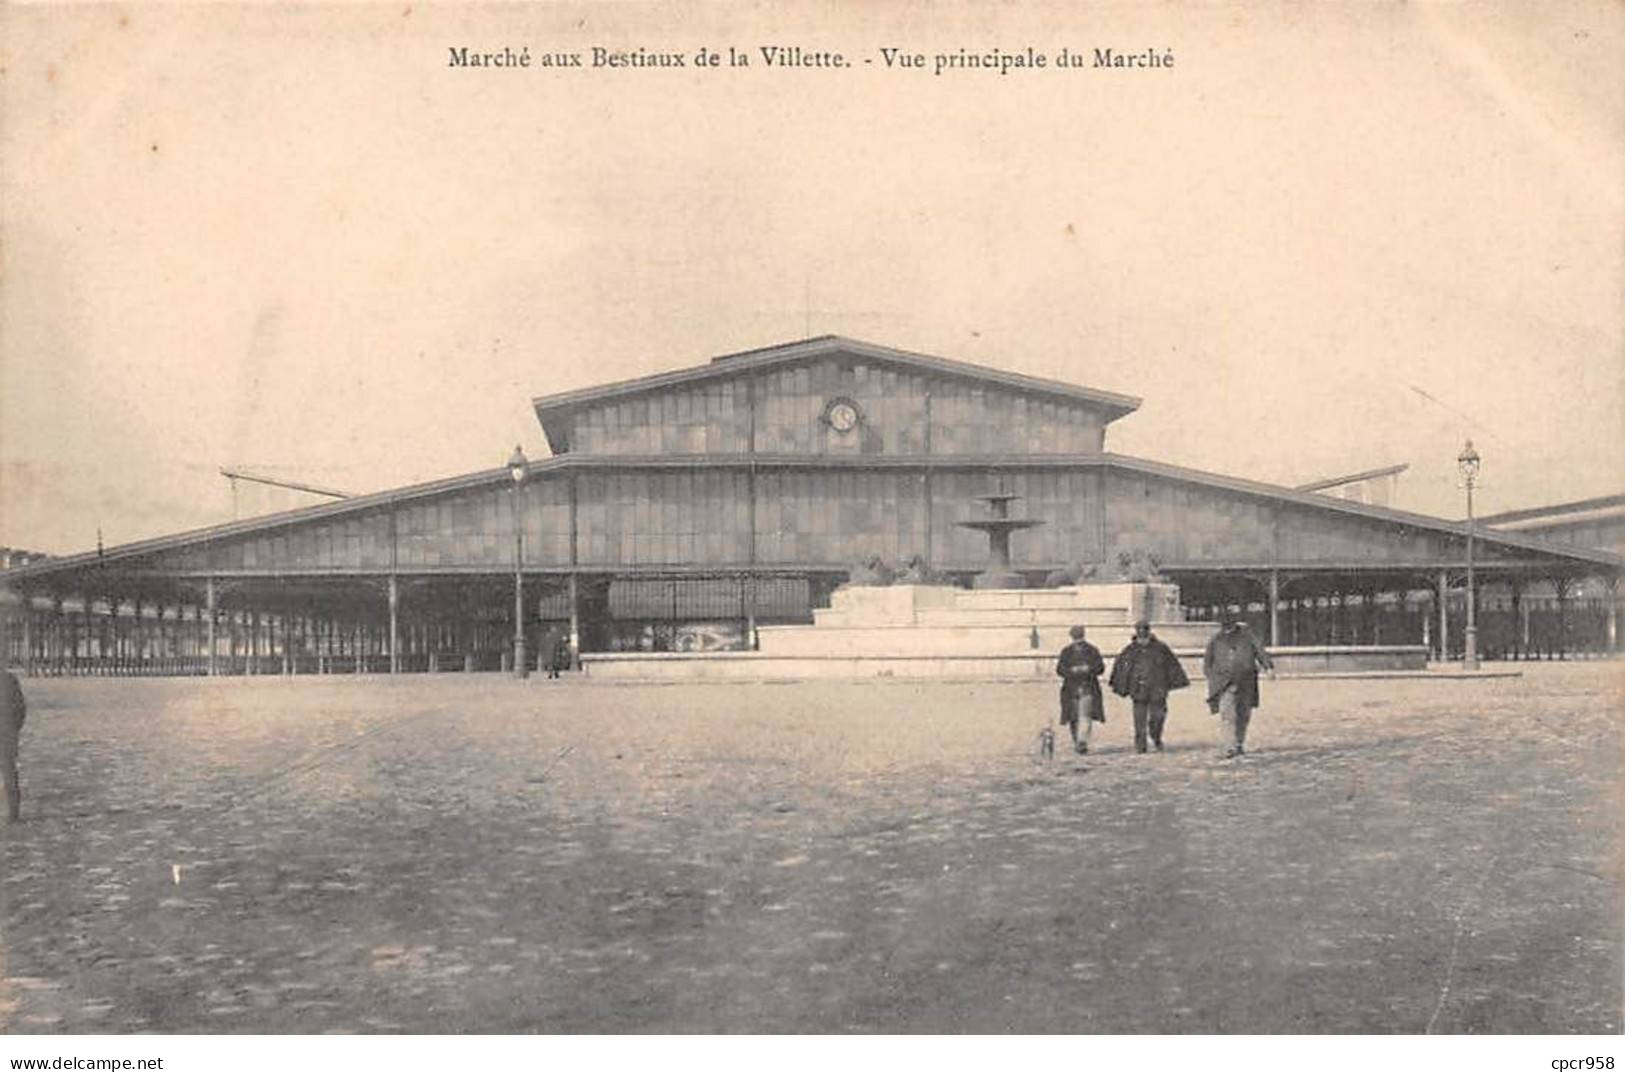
x: 781, y: 346
x: 1554, y: 510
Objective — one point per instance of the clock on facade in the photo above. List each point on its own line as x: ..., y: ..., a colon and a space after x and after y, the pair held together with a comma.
x: 842, y: 414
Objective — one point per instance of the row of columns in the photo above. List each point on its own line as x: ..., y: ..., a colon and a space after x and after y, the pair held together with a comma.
x: 1377, y: 622
x: 134, y: 636
x: 170, y: 638
x: 157, y: 638
x: 1373, y: 622
x: 1522, y: 641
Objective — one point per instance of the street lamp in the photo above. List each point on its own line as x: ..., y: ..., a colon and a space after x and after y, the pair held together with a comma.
x: 1468, y: 461
x: 518, y: 466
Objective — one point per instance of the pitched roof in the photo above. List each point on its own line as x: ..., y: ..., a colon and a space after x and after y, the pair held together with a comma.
x: 1347, y: 506
x: 356, y: 504
x: 729, y: 365
x: 566, y: 462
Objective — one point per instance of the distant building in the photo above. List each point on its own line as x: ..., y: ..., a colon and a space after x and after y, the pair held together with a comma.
x: 1595, y: 523
x: 683, y: 508
x: 12, y: 557
x: 1571, y: 612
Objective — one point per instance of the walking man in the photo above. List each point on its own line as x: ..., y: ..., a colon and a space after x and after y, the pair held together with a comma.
x: 1231, y: 666
x: 1145, y: 672
x: 1079, y: 668
x: 12, y: 710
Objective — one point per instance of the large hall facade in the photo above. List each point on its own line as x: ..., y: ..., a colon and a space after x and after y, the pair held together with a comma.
x: 680, y: 510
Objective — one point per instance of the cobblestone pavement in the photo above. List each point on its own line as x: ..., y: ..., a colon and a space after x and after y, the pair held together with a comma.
x: 476, y: 854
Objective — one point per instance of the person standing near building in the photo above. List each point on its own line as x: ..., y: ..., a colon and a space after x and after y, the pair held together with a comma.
x: 1145, y: 672
x: 558, y: 654
x: 1231, y: 667
x: 1079, y: 668
x: 12, y: 710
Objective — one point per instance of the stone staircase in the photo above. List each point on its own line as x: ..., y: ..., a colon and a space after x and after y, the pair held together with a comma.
x: 927, y: 620
x: 934, y: 631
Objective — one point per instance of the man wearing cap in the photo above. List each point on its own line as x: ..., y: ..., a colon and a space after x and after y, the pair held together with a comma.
x: 1231, y: 666
x: 1145, y: 672
x: 1079, y: 668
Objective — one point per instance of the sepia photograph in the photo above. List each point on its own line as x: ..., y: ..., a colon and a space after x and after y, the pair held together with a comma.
x: 816, y: 519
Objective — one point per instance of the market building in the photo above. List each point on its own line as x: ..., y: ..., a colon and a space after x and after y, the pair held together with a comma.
x: 683, y: 509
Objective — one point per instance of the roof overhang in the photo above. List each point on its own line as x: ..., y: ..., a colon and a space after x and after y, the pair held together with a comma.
x: 357, y: 504
x: 1314, y: 500
x: 1579, y: 557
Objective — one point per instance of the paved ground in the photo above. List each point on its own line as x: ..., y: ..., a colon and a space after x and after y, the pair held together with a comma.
x: 472, y: 854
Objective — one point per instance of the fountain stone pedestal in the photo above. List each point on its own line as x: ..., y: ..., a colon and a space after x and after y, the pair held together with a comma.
x: 998, y: 527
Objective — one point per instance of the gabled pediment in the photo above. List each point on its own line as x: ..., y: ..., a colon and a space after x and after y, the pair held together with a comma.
x: 716, y: 407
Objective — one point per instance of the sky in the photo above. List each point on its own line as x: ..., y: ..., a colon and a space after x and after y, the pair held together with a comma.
x: 297, y: 240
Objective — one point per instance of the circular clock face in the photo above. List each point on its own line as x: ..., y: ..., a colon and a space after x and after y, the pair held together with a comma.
x: 843, y: 416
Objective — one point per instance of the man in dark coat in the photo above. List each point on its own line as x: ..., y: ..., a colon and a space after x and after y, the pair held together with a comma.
x: 13, y: 708
x: 1146, y: 671
x: 1079, y: 668
x: 561, y: 655
x: 555, y: 653
x: 1231, y: 666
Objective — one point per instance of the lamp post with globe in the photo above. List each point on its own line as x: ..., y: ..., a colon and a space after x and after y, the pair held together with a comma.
x: 1468, y: 462
x: 518, y: 468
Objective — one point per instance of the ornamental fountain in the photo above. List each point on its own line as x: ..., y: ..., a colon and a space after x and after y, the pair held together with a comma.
x: 998, y: 527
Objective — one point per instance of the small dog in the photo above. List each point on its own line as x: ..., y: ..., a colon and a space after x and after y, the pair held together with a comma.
x: 1046, y: 742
